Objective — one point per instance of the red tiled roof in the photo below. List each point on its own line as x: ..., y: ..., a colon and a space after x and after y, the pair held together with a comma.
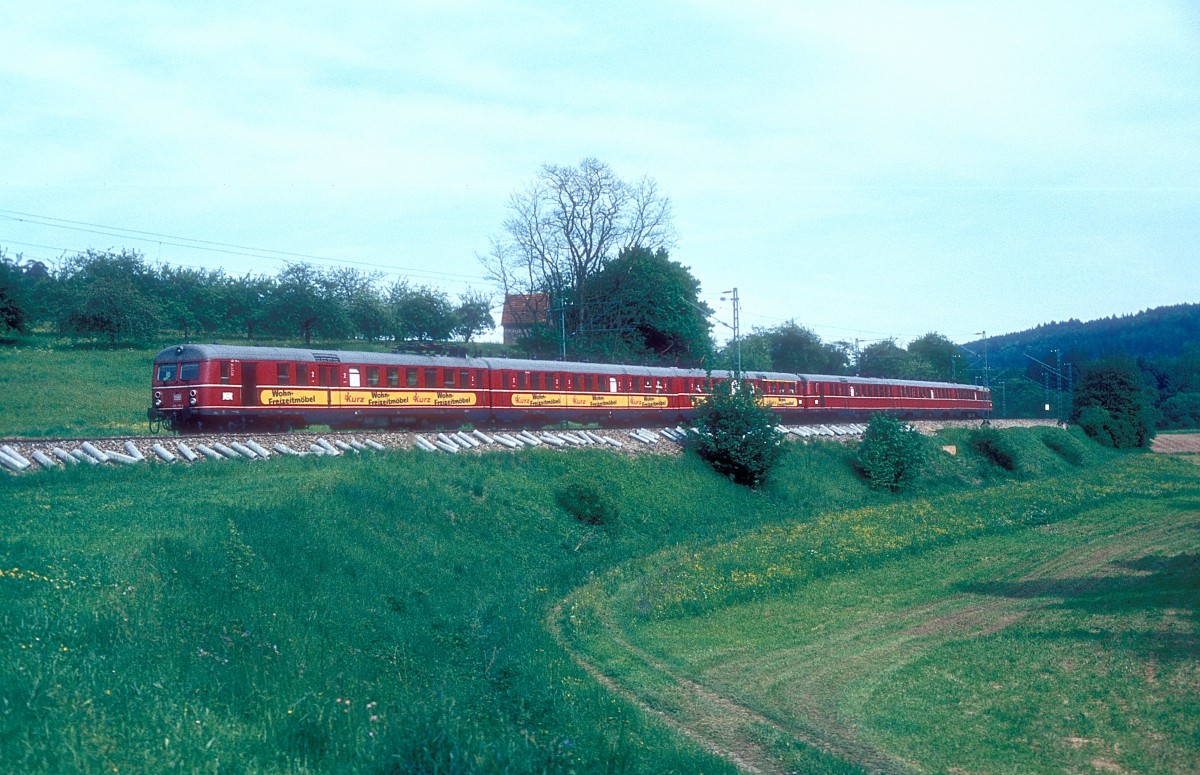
x: 525, y: 309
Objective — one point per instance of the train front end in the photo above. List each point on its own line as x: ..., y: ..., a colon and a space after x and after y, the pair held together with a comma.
x: 180, y: 387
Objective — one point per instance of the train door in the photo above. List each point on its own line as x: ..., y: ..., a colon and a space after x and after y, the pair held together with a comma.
x: 249, y: 384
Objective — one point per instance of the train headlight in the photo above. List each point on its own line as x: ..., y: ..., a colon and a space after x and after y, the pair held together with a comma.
x: 157, y: 401
x: 192, y: 401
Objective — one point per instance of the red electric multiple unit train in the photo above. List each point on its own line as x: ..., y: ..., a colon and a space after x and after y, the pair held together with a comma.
x: 213, y: 387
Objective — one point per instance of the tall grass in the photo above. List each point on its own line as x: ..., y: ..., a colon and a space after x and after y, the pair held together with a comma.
x: 380, y: 614
x: 377, y: 614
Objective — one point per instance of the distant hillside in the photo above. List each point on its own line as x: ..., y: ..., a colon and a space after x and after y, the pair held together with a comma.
x: 1154, y: 333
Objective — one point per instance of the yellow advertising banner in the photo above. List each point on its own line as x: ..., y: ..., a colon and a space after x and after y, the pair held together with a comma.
x: 408, y: 398
x: 598, y: 401
x: 367, y: 398
x: 538, y: 399
x: 590, y: 400
x: 286, y: 397
x: 775, y: 402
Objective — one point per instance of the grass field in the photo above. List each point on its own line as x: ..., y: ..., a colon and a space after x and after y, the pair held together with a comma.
x: 405, y: 612
x: 1069, y: 645
x: 54, y: 389
x: 376, y: 614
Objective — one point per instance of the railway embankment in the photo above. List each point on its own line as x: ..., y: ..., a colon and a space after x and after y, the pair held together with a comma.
x: 21, y: 454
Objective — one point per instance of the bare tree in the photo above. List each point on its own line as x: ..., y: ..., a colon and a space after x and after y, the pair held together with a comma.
x: 567, y: 224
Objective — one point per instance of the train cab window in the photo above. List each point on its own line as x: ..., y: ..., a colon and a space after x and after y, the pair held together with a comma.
x: 393, y: 376
x: 283, y: 372
x: 189, y: 371
x: 166, y: 372
x: 372, y: 376
x: 355, y: 377
x: 226, y: 369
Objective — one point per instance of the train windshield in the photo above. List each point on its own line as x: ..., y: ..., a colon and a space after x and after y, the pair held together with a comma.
x: 166, y: 372
x: 189, y: 371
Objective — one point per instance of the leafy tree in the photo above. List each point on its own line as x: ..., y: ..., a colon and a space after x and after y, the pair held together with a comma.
x: 789, y: 347
x: 882, y: 359
x: 14, y: 313
x: 191, y: 298
x: 297, y: 303
x: 891, y: 453
x: 736, y: 435
x: 109, y: 294
x: 942, y: 359
x: 247, y: 304
x: 1112, y: 405
x: 916, y: 367
x: 798, y: 350
x: 1182, y: 410
x: 356, y: 303
x: 648, y: 305
x: 569, y: 222
x: 753, y: 351
x: 421, y: 313
x: 474, y: 315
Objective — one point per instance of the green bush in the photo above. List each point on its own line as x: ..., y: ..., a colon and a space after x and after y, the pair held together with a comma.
x: 1112, y: 404
x: 1064, y: 445
x: 995, y: 447
x: 736, y: 435
x: 891, y: 453
x: 588, y: 500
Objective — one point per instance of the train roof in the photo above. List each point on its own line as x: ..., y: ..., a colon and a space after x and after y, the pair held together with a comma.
x: 254, y: 353
x: 886, y: 381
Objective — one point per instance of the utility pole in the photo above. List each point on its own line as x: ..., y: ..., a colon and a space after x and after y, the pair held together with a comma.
x: 737, y: 340
x: 986, y: 383
x: 1058, y: 380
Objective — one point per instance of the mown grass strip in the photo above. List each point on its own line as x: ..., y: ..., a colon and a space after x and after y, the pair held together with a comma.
x: 739, y: 640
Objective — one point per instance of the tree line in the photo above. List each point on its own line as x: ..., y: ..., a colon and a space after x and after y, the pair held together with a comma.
x: 118, y: 296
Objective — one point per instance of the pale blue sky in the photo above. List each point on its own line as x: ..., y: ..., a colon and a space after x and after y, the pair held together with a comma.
x: 869, y: 169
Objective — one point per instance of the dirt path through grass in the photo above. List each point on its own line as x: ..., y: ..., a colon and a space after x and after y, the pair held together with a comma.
x: 814, y: 689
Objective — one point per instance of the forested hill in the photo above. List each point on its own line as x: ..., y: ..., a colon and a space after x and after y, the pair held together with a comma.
x: 1153, y: 333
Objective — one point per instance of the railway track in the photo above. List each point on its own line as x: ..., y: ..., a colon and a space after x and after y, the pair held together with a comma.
x: 26, y: 454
